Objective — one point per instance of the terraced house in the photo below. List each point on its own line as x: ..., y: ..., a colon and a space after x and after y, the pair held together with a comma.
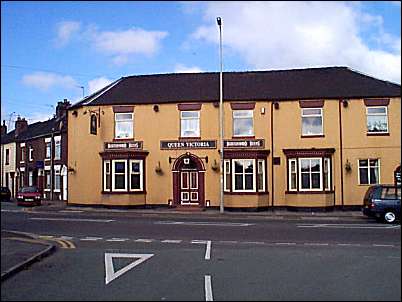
x: 302, y: 138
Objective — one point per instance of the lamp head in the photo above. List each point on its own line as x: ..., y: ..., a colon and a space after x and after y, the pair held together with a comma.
x: 219, y: 21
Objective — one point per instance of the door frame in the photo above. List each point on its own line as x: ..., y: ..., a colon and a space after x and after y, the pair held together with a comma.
x: 178, y: 166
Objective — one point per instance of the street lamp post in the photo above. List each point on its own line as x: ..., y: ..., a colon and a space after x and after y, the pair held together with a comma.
x: 219, y: 21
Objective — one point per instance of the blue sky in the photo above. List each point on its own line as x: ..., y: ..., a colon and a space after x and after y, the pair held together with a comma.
x: 50, y: 49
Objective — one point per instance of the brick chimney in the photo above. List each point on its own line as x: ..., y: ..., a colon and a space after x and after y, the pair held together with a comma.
x: 20, y: 126
x: 3, y: 128
x: 61, y: 108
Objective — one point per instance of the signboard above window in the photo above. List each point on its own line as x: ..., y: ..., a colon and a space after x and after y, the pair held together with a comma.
x: 136, y: 145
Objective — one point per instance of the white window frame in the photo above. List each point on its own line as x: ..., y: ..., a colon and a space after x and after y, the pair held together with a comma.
x: 48, y: 181
x: 106, y: 175
x: 57, y: 146
x: 113, y: 175
x: 293, y: 160
x: 198, y: 131
x: 141, y: 173
x: 30, y: 153
x: 328, y: 161
x: 30, y: 178
x: 23, y: 152
x: 226, y: 171
x: 57, y: 174
x: 244, y: 175
x: 304, y: 115
x: 377, y: 114
x: 300, y: 174
x: 368, y: 170
x: 262, y: 161
x: 131, y: 135
x: 234, y: 117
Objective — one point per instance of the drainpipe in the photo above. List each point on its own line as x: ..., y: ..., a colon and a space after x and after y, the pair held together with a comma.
x: 51, y: 165
x: 341, y: 149
x: 272, y: 157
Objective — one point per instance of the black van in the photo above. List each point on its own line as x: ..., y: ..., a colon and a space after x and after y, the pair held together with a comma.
x: 383, y: 202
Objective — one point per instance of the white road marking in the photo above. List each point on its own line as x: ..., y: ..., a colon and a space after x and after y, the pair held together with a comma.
x: 144, y: 240
x: 384, y: 245
x: 11, y: 211
x: 348, y: 244
x: 205, y: 223
x: 91, y: 238
x: 346, y: 226
x: 208, y: 288
x: 70, y: 211
x: 228, y: 241
x: 110, y: 273
x: 117, y: 239
x: 66, y: 237
x: 253, y: 242
x: 171, y: 241
x: 46, y: 237
x: 73, y: 219
x: 285, y: 243
x: 208, y: 248
x: 315, y: 244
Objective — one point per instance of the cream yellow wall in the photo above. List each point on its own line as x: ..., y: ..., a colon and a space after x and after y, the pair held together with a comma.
x: 287, y: 135
x: 357, y: 145
x: 151, y: 127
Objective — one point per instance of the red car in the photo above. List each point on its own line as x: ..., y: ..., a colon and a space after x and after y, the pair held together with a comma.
x: 29, y: 196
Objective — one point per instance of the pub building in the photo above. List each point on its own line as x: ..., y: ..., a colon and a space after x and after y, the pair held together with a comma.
x: 295, y: 139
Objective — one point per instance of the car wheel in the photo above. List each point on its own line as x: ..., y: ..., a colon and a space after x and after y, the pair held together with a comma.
x: 389, y: 217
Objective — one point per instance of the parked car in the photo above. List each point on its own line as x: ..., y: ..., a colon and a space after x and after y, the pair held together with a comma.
x: 5, y: 194
x: 383, y: 202
x: 29, y: 196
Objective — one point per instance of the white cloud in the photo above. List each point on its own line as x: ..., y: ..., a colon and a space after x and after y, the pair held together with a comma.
x: 65, y: 30
x: 98, y: 83
x: 180, y: 68
x: 46, y: 80
x: 283, y: 35
x: 39, y: 117
x: 121, y: 44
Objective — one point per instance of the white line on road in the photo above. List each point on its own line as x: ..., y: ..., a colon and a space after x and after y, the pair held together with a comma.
x: 70, y: 211
x: 65, y: 238
x: 254, y: 242
x: 208, y: 288
x: 384, y: 245
x: 117, y: 239
x: 285, y: 243
x: 204, y: 223
x: 346, y: 226
x: 91, y: 238
x: 315, y: 244
x: 348, y: 244
x: 73, y: 219
x: 171, y: 241
x: 208, y: 248
x: 144, y: 240
x: 228, y: 241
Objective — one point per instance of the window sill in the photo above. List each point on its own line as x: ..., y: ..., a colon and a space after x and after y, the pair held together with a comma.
x: 124, y: 192
x: 243, y: 137
x: 378, y: 134
x: 189, y: 137
x: 245, y: 193
x: 309, y: 192
x: 123, y: 139
x: 56, y: 190
x: 312, y: 136
x: 46, y: 190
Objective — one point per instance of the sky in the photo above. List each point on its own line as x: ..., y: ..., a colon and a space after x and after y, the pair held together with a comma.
x: 51, y: 51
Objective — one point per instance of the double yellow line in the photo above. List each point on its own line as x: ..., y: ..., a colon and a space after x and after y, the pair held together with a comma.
x: 65, y: 244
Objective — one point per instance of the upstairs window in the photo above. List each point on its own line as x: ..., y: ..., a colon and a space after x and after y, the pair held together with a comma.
x: 57, y: 147
x: 369, y: 171
x: 377, y: 119
x: 243, y: 123
x: 7, y: 156
x: 48, y: 149
x: 312, y: 121
x: 23, y: 154
x: 30, y: 153
x: 124, y: 125
x: 189, y: 123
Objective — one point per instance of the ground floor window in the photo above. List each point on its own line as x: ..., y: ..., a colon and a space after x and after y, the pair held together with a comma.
x: 369, y: 171
x: 244, y: 175
x: 309, y: 174
x: 30, y: 178
x: 57, y: 180
x: 47, y: 180
x: 123, y: 175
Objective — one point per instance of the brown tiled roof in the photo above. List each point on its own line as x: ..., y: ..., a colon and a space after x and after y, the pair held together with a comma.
x: 295, y: 84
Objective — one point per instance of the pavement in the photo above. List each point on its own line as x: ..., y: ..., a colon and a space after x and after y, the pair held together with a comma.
x: 20, y: 250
